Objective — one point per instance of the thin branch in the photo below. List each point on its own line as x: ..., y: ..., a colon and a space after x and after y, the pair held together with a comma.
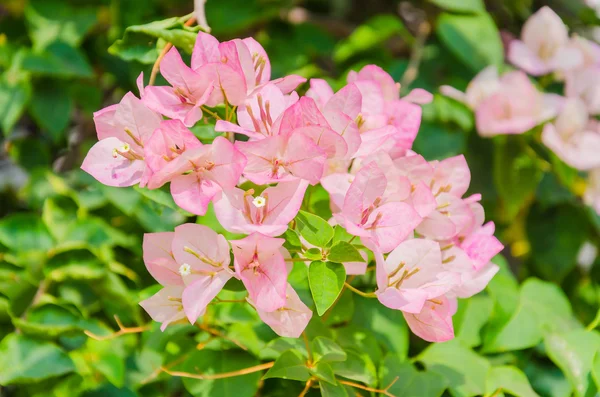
x: 156, y: 66
x: 415, y: 57
x: 359, y: 292
x: 308, y: 351
x: 213, y: 114
x: 298, y: 260
x: 223, y: 375
x: 306, y: 388
x: 122, y: 331
x: 159, y: 370
x: 594, y: 324
x: 362, y: 387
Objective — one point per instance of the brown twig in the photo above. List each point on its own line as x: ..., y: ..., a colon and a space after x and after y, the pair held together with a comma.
x: 122, y: 331
x: 362, y: 387
x: 308, y: 351
x: 223, y: 375
x: 306, y: 388
x: 158, y: 371
x: 162, y: 54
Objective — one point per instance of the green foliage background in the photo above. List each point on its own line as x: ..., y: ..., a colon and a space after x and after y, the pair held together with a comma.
x: 70, y: 248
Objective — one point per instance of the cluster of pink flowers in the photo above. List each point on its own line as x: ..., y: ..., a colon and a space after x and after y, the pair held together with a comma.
x: 511, y: 104
x: 356, y: 142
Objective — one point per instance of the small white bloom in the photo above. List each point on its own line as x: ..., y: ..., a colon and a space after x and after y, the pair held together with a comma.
x: 185, y: 270
x: 259, y: 202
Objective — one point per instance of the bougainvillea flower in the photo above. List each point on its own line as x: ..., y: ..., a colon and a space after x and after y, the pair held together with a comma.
x: 411, y: 274
x: 281, y: 158
x: 585, y: 85
x: 159, y: 259
x: 188, y: 91
x: 197, y: 175
x: 291, y: 319
x: 481, y: 245
x: 589, y: 50
x: 203, y: 258
x: 573, y: 137
x: 237, y: 67
x: 165, y: 306
x: 168, y: 142
x: 485, y: 84
x: 516, y: 108
x: 434, y: 322
x: 544, y: 45
x: 260, y: 264
x: 367, y: 213
x: 123, y: 129
x: 337, y: 185
x: 268, y: 213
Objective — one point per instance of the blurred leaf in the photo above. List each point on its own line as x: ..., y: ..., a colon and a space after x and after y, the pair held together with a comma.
x: 25, y: 232
x: 323, y: 371
x: 548, y: 380
x: 475, y: 6
x: 58, y: 59
x: 435, y: 142
x: 474, y: 39
x: 289, y: 365
x: 373, y: 32
x: 542, y: 307
x: 464, y: 370
x: 51, y: 108
x: 26, y: 360
x: 247, y: 13
x: 326, y: 282
x: 410, y: 382
x: 574, y: 354
x: 314, y: 229
x: 329, y: 390
x: 344, y: 252
x: 14, y: 95
x: 509, y: 380
x: 516, y: 175
x: 51, y: 20
x: 213, y: 362
x: 556, y: 235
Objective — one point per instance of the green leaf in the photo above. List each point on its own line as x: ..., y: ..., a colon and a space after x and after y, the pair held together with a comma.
x: 471, y: 316
x: 329, y: 390
x: 574, y: 354
x: 137, y: 45
x: 541, y: 307
x: 111, y: 365
x: 161, y: 197
x: 247, y: 14
x: 14, y: 95
x: 314, y: 229
x: 410, y: 382
x: 386, y: 324
x: 474, y: 39
x: 26, y: 360
x: 214, y: 362
x: 464, y: 370
x: 51, y: 108
x: 357, y: 366
x: 326, y: 350
x: 326, y: 281
x: 314, y: 254
x: 358, y: 339
x: 509, y: 379
x: 324, y: 372
x: 25, y: 232
x: 475, y: 6
x: 373, y: 32
x: 344, y: 252
x: 58, y: 60
x: 51, y: 20
x: 556, y: 236
x: 50, y: 321
x: 437, y: 142
x: 290, y: 365
x: 516, y: 174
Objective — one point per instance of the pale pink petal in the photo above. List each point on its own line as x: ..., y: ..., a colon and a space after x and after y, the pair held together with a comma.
x: 104, y: 121
x: 290, y: 320
x: 391, y: 90
x: 262, y: 65
x: 396, y: 221
x: 197, y: 295
x: 520, y: 55
x: 332, y: 143
x: 167, y: 142
x: 337, y: 186
x: 200, y: 247
x: 289, y: 83
x: 320, y: 91
x: 452, y: 175
x: 206, y: 50
x: 419, y: 96
x: 112, y: 169
x: 434, y: 322
x: 163, y: 308
x: 348, y: 100
x: 159, y: 259
x: 192, y: 193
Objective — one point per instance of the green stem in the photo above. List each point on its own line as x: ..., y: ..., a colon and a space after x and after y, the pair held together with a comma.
x: 361, y: 293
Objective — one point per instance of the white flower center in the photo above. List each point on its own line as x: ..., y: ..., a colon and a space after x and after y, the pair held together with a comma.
x: 185, y: 270
x: 259, y: 202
